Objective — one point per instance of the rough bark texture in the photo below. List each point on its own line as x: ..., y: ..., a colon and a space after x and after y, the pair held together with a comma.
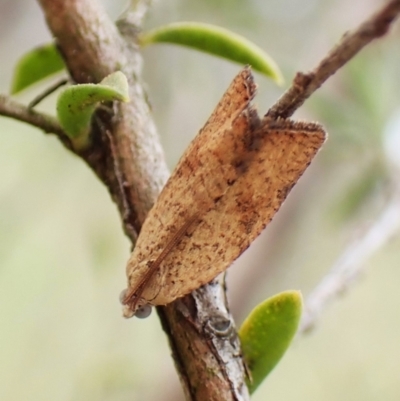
x: 127, y: 156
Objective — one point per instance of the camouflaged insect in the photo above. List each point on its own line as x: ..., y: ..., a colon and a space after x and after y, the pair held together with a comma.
x: 226, y: 188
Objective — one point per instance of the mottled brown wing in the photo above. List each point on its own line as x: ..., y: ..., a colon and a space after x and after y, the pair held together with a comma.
x: 236, y: 99
x: 235, y: 178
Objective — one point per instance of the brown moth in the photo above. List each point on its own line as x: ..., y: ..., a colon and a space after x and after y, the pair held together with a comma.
x: 226, y: 188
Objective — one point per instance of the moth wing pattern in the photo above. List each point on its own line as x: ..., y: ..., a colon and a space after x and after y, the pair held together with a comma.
x: 160, y: 227
x: 234, y: 176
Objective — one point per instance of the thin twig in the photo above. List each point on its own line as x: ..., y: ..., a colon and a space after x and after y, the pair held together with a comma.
x: 352, y: 262
x: 35, y: 101
x: 141, y: 161
x: 45, y: 122
x: 304, y: 84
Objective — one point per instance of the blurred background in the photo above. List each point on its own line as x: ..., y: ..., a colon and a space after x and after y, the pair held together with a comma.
x: 63, y: 253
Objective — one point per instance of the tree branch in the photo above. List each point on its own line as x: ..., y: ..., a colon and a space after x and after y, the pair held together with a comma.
x: 352, y: 262
x: 305, y: 84
x: 127, y: 156
x: 47, y: 123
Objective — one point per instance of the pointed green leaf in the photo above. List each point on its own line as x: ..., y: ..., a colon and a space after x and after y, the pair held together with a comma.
x: 217, y: 41
x: 36, y: 65
x: 76, y: 105
x: 267, y: 332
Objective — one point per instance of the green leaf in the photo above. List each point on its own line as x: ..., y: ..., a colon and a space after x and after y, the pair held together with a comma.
x: 267, y: 332
x: 76, y: 105
x: 217, y: 41
x: 36, y: 65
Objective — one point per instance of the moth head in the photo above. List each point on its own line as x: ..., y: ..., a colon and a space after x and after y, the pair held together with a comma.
x: 133, y: 306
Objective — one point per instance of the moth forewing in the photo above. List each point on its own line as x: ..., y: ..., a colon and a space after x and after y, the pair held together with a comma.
x: 234, y: 179
x: 200, y: 180
x: 160, y: 226
x: 244, y: 210
x: 235, y: 99
x: 134, y: 295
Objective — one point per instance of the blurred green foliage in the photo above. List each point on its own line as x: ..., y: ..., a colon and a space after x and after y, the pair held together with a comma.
x: 63, y: 254
x: 35, y: 65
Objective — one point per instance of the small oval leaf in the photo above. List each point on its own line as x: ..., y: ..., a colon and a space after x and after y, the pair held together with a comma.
x: 76, y: 105
x: 36, y: 65
x: 217, y: 41
x: 267, y: 332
